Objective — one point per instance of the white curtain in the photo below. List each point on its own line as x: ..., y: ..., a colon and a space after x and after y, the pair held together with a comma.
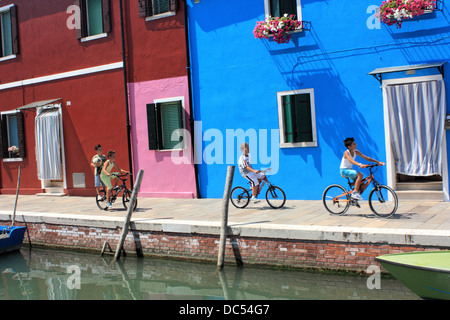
x: 416, y: 119
x: 48, y: 145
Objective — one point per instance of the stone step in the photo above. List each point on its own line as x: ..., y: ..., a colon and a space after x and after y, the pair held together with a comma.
x: 425, y: 185
x: 52, y: 192
x: 420, y: 195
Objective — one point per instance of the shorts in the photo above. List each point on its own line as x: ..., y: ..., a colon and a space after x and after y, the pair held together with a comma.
x: 349, y: 173
x: 253, y: 178
x: 98, y: 182
x: 107, y: 180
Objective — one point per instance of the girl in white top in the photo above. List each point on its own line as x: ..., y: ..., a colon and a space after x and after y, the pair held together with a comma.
x: 348, y: 160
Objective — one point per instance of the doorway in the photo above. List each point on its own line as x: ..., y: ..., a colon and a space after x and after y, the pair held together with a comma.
x: 49, y: 150
x: 415, y: 140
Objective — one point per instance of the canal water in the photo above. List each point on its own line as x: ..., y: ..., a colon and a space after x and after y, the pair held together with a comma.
x: 43, y: 274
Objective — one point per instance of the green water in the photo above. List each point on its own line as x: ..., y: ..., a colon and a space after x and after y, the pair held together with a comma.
x: 42, y: 274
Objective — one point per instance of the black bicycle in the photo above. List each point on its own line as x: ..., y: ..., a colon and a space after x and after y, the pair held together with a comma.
x: 126, y: 197
x: 275, y: 197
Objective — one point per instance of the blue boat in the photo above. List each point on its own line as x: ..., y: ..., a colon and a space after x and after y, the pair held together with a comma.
x: 11, y: 238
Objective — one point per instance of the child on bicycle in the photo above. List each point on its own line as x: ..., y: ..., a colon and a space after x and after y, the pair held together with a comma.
x: 246, y: 170
x: 106, y: 175
x: 347, y: 162
x: 97, y: 162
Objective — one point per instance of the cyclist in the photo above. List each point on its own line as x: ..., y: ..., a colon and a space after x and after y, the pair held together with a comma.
x: 246, y: 170
x: 106, y: 175
x: 347, y: 162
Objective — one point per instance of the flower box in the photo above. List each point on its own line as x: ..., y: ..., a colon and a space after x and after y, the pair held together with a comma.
x: 280, y: 29
x: 13, y: 152
x: 395, y: 11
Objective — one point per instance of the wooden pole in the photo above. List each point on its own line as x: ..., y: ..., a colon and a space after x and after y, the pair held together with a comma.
x: 129, y: 213
x: 17, y: 195
x: 224, y: 226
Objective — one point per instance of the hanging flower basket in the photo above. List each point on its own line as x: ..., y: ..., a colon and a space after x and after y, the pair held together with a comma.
x: 395, y: 11
x: 279, y: 28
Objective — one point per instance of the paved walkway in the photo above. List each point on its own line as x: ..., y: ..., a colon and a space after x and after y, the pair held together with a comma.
x: 410, y: 214
x: 298, y: 216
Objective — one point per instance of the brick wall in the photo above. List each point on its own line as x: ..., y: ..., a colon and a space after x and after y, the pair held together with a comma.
x: 258, y: 251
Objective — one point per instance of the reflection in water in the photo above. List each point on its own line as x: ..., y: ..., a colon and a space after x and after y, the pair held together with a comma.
x: 51, y: 275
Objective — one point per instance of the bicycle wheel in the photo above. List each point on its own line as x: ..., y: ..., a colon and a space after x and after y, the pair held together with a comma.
x: 383, y: 201
x: 275, y: 197
x: 239, y: 197
x: 126, y: 198
x: 335, y: 199
x: 101, y: 201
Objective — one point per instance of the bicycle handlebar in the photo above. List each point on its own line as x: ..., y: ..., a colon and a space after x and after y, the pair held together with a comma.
x: 118, y: 175
x: 374, y: 165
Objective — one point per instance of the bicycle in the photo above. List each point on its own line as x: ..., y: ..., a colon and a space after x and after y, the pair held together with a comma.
x: 275, y: 196
x: 126, y: 197
x: 383, y: 201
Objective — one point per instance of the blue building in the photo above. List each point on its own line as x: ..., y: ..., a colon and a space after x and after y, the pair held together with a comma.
x: 344, y: 75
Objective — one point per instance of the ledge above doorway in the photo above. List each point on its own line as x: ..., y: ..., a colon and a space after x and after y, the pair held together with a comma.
x: 377, y: 73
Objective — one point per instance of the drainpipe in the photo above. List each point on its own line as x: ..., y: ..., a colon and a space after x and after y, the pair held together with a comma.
x: 191, y: 109
x: 125, y: 83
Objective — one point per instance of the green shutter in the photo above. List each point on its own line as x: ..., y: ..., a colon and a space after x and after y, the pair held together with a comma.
x: 14, y: 30
x: 303, y: 119
x: 288, y: 127
x: 152, y: 125
x: 94, y: 17
x: 171, y: 119
x: 279, y: 7
x: 6, y: 35
x: 21, y: 134
x: 274, y: 8
x: 3, y: 138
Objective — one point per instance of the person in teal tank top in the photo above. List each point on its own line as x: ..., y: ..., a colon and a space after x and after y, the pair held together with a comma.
x: 106, y: 174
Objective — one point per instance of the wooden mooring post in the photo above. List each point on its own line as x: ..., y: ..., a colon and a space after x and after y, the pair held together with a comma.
x: 224, y: 225
x: 17, y: 195
x: 126, y: 224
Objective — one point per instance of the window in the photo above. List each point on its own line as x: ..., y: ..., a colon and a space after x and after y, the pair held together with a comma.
x: 9, y: 45
x: 95, y: 18
x: 155, y: 9
x: 12, y: 135
x: 163, y: 118
x: 296, y: 113
x: 277, y: 8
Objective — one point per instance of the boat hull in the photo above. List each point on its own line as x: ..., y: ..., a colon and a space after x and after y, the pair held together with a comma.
x: 11, y: 238
x: 425, y: 273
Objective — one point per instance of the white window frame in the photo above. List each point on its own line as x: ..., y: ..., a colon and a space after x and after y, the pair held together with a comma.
x: 282, y: 120
x: 299, y: 9
x: 158, y: 102
x: 6, y: 113
x: 4, y: 9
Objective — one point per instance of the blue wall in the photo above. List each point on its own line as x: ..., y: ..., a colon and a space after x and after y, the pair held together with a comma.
x: 236, y: 79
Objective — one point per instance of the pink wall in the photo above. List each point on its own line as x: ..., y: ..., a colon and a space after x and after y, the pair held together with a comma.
x: 162, y: 177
